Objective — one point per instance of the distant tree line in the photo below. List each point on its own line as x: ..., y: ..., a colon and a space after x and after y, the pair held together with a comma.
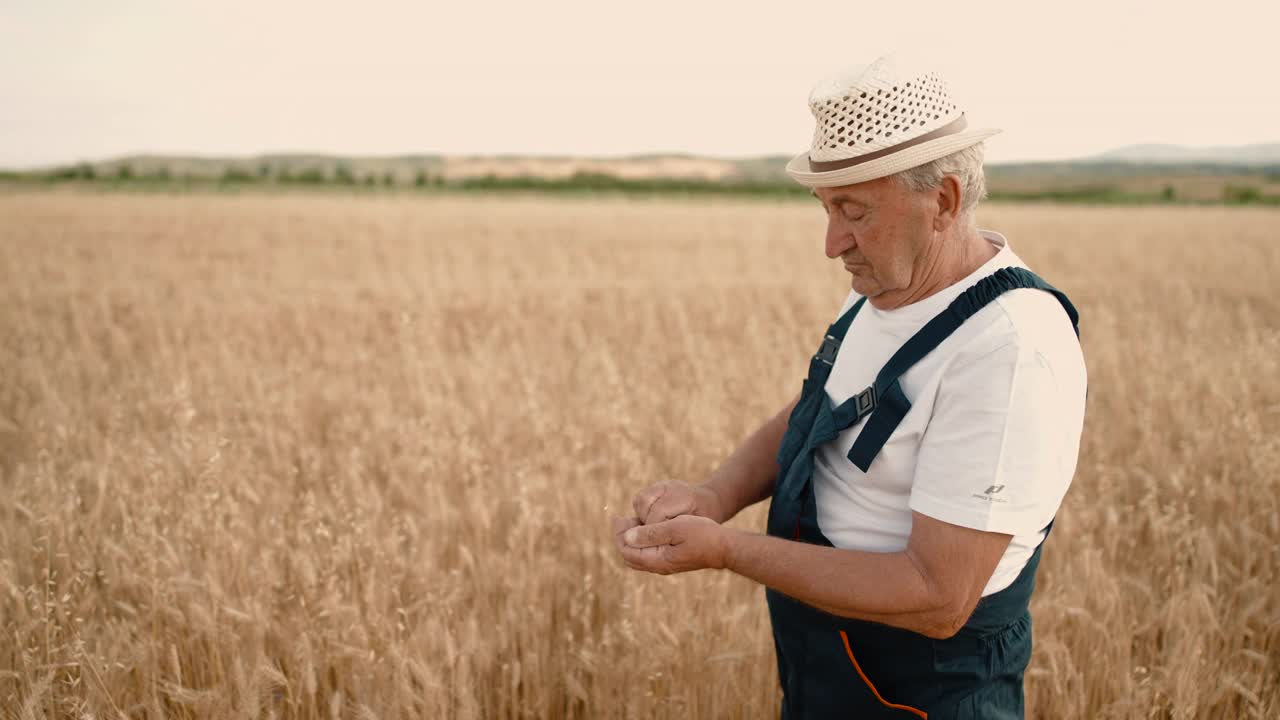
x: 1111, y: 195
x: 264, y: 174
x: 599, y: 182
x: 343, y: 175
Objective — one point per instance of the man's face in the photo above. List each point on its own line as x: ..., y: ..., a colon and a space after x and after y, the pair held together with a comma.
x: 879, y: 229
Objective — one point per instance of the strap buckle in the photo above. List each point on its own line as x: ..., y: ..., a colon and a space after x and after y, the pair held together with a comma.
x: 865, y: 402
x: 827, y: 352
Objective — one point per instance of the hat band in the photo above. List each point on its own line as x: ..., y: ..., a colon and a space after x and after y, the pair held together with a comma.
x: 952, y: 128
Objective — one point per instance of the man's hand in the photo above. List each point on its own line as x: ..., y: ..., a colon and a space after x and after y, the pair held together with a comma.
x: 685, y: 543
x: 670, y: 498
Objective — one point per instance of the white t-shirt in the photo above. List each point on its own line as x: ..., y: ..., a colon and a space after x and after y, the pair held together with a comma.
x: 993, y: 433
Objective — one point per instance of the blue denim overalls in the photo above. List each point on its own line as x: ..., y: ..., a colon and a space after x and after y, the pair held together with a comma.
x: 833, y: 667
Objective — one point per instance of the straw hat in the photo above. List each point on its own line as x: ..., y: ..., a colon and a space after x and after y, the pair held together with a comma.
x: 879, y: 120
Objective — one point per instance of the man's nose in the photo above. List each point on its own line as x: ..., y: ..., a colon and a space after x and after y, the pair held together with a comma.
x: 839, y: 239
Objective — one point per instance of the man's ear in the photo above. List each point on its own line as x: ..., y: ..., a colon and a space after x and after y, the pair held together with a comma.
x: 950, y: 197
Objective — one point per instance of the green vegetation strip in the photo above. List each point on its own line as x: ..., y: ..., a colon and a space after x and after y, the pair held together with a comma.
x: 124, y: 178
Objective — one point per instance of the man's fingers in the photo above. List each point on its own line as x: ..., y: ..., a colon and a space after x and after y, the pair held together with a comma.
x: 672, y: 504
x: 645, y: 500
x: 645, y: 536
x: 650, y: 559
x: 633, y: 557
x: 621, y: 524
x: 663, y: 501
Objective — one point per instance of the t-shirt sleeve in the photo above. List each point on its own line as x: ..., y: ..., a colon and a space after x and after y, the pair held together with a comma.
x: 993, y: 456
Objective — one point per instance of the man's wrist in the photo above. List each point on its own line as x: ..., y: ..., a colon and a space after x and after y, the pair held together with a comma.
x: 733, y: 540
x: 709, y: 494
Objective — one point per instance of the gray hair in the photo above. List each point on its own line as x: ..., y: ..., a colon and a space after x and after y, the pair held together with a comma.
x: 965, y: 164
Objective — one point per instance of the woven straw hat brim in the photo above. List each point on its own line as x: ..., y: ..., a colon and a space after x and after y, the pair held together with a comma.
x: 908, y: 158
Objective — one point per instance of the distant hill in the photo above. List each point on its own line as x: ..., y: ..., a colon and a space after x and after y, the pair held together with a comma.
x: 1264, y: 154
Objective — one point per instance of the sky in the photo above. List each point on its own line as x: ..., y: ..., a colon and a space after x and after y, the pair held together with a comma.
x: 94, y: 80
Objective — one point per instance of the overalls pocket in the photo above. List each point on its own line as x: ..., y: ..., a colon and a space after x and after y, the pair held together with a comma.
x: 993, y: 662
x: 862, y: 697
x: 965, y: 657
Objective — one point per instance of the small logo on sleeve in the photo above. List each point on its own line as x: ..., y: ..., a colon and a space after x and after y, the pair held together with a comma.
x: 990, y: 494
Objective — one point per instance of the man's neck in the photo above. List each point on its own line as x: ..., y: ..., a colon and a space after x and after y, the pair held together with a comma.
x: 946, y: 262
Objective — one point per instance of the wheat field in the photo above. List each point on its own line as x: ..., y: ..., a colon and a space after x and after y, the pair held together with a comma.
x: 343, y: 456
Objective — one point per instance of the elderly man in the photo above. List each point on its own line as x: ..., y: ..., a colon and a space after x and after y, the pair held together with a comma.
x: 918, y: 473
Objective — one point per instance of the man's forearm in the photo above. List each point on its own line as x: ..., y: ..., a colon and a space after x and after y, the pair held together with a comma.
x: 886, y: 588
x: 749, y: 474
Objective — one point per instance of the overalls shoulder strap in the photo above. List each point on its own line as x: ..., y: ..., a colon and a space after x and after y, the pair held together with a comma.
x: 835, y: 334
x: 809, y: 405
x: 888, y: 405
